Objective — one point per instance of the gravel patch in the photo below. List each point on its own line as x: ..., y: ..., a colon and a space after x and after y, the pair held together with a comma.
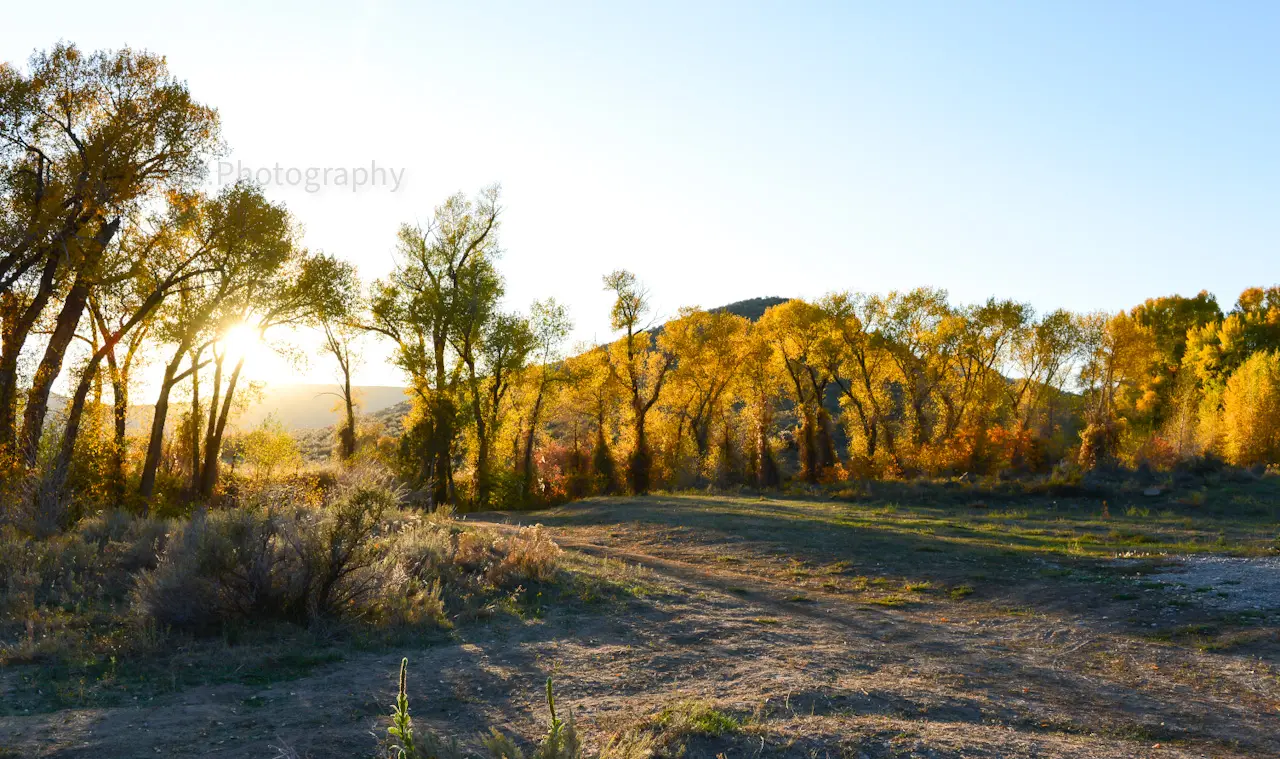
x: 1227, y: 582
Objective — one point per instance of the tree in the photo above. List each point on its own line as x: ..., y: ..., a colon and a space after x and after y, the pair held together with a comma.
x: 638, y: 366
x: 160, y: 266
x: 505, y: 346
x: 757, y: 386
x: 591, y: 408
x: 428, y: 308
x: 1117, y: 354
x: 1170, y: 320
x: 921, y: 334
x: 85, y: 140
x: 861, y: 366
x: 987, y: 334
x: 707, y: 348
x: 800, y: 336
x: 300, y: 289
x: 339, y: 321
x: 1214, y: 349
x: 246, y: 240
x: 1251, y: 412
x: 549, y: 322
x: 1043, y: 359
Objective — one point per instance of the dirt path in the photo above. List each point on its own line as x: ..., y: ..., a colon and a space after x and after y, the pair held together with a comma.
x: 813, y: 669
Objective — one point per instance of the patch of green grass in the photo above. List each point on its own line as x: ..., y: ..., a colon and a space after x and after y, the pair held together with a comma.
x: 959, y: 592
x: 287, y: 666
x: 688, y: 718
x: 889, y: 602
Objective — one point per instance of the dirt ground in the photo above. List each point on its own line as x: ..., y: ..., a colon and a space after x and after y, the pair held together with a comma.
x: 826, y: 629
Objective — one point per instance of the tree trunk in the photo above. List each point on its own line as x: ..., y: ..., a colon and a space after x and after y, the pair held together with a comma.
x: 809, y: 465
x: 641, y: 461
x: 195, y: 419
x: 17, y: 329
x: 56, y: 350
x: 215, y: 401
x: 213, y: 446
x: 147, y: 483
x: 50, y: 367
x: 120, y: 412
x: 766, y: 467
x: 347, y: 438
x: 528, y: 475
x: 75, y: 412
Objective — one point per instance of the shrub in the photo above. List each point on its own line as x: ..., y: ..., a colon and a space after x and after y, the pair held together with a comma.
x: 465, y: 562
x: 94, y: 563
x: 270, y: 446
x: 215, y: 567
x: 337, y: 549
x: 299, y: 554
x: 275, y: 556
x: 528, y: 555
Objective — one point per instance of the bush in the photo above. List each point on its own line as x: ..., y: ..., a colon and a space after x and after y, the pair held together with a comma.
x: 275, y: 556
x: 270, y: 446
x: 297, y: 555
x: 466, y: 562
x: 94, y: 563
x: 528, y: 555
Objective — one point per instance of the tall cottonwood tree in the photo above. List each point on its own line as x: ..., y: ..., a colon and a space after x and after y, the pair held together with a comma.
x: 707, y: 348
x: 550, y: 326
x: 85, y: 140
x: 246, y: 240
x: 295, y: 294
x: 861, y: 366
x: 801, y: 340
x: 506, y: 342
x: 425, y: 307
x: 160, y: 267
x: 640, y: 367
x: 339, y: 326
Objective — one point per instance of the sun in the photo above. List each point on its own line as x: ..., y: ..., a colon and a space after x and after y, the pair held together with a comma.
x: 241, y: 341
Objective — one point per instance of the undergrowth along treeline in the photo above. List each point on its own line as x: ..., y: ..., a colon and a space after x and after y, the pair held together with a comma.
x: 344, y: 552
x: 111, y: 257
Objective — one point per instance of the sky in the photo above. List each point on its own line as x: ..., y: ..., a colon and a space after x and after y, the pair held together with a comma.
x: 1084, y: 155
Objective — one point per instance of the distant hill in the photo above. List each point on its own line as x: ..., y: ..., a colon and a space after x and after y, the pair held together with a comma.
x: 752, y: 308
x: 297, y: 407
x: 307, y: 407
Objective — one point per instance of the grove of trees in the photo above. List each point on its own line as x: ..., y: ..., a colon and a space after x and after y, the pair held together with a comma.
x: 112, y: 257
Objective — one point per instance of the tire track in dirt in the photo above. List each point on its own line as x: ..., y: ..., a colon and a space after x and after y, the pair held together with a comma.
x: 1047, y: 654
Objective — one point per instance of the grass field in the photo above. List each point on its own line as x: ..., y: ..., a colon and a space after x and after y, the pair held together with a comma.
x: 906, y: 621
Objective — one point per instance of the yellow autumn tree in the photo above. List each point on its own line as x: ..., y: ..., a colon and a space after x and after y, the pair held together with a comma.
x: 800, y: 334
x: 707, y: 347
x: 1251, y: 412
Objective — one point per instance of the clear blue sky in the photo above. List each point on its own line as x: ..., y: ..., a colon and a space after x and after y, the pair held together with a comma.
x: 1085, y: 155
